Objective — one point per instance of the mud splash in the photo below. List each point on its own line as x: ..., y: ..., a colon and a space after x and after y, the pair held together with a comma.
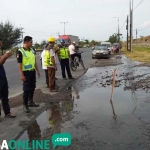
x: 92, y: 120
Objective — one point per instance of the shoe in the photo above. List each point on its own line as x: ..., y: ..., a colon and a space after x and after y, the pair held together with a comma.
x: 32, y: 104
x: 10, y: 115
x: 71, y: 78
x: 54, y: 90
x: 65, y: 78
x: 56, y: 78
x: 26, y: 109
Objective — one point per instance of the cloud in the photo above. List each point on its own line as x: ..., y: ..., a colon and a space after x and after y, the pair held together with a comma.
x: 145, y: 24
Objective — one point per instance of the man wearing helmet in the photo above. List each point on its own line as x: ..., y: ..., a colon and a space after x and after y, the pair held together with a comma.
x: 51, y: 65
x: 63, y: 56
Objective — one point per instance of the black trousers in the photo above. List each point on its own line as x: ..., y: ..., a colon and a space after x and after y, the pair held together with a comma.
x: 65, y: 65
x: 4, y: 95
x: 29, y: 86
x: 46, y: 76
x: 75, y: 54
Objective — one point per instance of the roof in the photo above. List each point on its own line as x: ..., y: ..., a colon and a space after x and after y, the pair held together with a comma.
x: 65, y: 37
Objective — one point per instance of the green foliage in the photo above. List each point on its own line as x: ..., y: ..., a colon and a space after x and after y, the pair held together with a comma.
x: 37, y: 45
x: 86, y: 41
x: 94, y: 42
x: 113, y: 38
x: 10, y: 35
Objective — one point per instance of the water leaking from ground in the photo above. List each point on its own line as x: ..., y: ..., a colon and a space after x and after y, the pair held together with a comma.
x: 92, y: 120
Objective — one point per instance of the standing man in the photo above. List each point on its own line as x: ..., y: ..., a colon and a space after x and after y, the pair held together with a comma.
x: 63, y: 56
x: 44, y: 64
x: 4, y: 85
x: 51, y: 65
x: 27, y: 68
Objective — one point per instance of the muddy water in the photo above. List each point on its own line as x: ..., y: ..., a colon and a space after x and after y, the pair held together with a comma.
x: 92, y: 120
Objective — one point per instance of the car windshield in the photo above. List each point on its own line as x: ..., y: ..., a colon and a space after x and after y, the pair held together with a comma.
x: 100, y: 48
x: 108, y: 45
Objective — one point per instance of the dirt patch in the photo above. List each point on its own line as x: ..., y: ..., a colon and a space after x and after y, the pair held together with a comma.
x: 40, y: 97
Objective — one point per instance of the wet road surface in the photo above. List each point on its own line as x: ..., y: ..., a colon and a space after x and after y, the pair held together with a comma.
x: 92, y: 120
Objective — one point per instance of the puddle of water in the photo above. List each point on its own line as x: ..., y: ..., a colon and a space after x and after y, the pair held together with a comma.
x: 90, y: 117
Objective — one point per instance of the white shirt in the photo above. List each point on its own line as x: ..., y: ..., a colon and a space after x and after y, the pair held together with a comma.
x: 43, y: 56
x: 71, y: 49
x: 52, y: 53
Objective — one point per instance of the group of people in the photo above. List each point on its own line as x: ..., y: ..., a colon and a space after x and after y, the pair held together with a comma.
x: 49, y: 64
x: 28, y: 68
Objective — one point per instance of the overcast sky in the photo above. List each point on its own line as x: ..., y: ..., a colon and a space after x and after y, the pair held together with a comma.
x: 88, y: 19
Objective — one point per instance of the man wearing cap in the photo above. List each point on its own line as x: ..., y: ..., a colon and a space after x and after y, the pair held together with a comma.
x: 4, y: 86
x: 63, y: 56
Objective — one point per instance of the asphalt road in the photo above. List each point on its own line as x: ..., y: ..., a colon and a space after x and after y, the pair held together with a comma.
x: 15, y: 84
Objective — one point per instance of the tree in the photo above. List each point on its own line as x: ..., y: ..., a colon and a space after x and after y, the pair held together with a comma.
x: 86, y: 41
x: 37, y: 45
x: 10, y: 35
x: 93, y: 42
x: 113, y: 38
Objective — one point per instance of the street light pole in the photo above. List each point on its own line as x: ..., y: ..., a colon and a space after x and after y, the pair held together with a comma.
x: 64, y: 26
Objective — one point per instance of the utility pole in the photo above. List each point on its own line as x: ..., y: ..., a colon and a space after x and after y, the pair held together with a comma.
x: 136, y: 36
x: 131, y: 25
x: 132, y: 28
x: 118, y: 32
x: 127, y: 31
x: 64, y: 26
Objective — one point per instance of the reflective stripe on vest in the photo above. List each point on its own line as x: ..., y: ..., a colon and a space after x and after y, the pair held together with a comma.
x: 28, y: 59
x: 64, y: 53
x: 47, y: 59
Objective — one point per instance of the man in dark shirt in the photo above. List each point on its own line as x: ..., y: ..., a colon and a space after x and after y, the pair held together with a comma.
x: 4, y: 85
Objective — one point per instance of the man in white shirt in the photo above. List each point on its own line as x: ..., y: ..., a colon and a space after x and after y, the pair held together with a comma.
x: 45, y: 67
x: 72, y: 51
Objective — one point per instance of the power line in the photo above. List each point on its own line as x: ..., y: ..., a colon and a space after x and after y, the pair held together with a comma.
x: 125, y: 9
x: 138, y: 5
x: 144, y: 28
x: 123, y: 24
x: 90, y: 25
x: 44, y: 26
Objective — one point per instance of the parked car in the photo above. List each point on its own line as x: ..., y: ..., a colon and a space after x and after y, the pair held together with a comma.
x: 108, y: 44
x: 100, y: 51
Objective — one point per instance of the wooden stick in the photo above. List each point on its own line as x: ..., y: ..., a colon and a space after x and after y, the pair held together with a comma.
x: 113, y: 84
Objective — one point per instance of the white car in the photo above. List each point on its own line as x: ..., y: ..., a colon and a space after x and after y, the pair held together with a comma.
x: 100, y: 51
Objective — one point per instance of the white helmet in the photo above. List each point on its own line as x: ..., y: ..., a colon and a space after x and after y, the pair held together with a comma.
x: 74, y: 42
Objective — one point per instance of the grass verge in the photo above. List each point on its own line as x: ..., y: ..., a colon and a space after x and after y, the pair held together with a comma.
x: 141, y: 54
